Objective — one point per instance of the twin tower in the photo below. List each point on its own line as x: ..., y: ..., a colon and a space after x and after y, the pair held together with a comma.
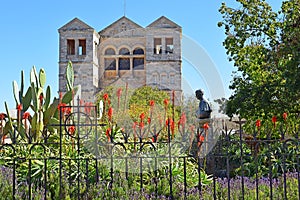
x: 122, y: 53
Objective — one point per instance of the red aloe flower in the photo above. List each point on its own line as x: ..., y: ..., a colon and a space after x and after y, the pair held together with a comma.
x: 149, y: 120
x: 110, y: 113
x: 284, y: 115
x: 141, y: 125
x: 151, y: 103
x: 200, y: 140
x: 166, y: 103
x: 64, y: 109
x: 41, y: 98
x: 274, y: 119
x: 170, y: 122
x: 258, y: 123
x: 19, y: 107
x: 142, y: 116
x: 26, y: 115
x: 105, y: 97
x: 119, y: 92
x: 107, y: 133
x: 2, y: 116
x: 71, y: 130
x: 182, y: 120
x: 205, y: 126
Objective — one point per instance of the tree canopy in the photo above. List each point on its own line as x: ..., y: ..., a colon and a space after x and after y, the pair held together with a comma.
x: 264, y: 46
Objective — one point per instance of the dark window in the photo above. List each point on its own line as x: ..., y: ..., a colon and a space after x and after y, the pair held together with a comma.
x: 169, y: 45
x: 124, y: 51
x: 124, y: 64
x: 157, y: 46
x: 138, y: 63
x: 82, y: 47
x: 138, y: 51
x: 110, y: 64
x: 110, y: 51
x: 71, y: 47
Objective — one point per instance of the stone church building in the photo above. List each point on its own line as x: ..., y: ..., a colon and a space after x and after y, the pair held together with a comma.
x: 122, y: 53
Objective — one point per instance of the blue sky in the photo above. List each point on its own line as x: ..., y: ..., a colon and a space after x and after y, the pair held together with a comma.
x: 29, y: 34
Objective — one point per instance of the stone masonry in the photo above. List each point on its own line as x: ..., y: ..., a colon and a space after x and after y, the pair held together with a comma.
x: 123, y: 52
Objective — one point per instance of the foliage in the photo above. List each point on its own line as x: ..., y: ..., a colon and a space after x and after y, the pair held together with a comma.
x: 264, y: 46
x: 35, y: 113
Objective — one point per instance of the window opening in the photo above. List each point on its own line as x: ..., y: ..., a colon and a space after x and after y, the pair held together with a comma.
x: 169, y: 45
x: 138, y: 63
x: 157, y: 46
x: 138, y: 51
x: 124, y: 64
x: 124, y: 51
x: 109, y: 51
x: 82, y: 47
x: 110, y: 64
x: 71, y: 47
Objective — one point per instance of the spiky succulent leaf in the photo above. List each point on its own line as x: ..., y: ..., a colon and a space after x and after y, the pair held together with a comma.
x: 49, y: 113
x: 47, y: 98
x: 27, y: 99
x: 42, y: 78
x: 34, y: 97
x: 16, y: 92
x: 70, y: 76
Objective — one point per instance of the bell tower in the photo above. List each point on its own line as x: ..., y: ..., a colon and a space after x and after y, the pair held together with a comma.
x: 78, y: 43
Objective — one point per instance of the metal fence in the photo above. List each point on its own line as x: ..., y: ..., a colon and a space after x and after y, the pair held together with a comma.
x: 79, y: 158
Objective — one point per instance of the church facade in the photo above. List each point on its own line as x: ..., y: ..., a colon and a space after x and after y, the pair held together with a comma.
x: 122, y: 53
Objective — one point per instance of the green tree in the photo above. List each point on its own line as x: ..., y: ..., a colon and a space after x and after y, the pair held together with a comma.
x: 264, y: 47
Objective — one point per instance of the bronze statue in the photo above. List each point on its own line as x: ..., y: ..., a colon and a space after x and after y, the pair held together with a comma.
x: 204, y: 109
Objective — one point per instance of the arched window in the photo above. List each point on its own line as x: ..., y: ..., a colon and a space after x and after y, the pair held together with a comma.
x: 110, y: 51
x: 110, y: 64
x: 124, y: 64
x: 138, y: 63
x: 124, y: 51
x: 138, y: 51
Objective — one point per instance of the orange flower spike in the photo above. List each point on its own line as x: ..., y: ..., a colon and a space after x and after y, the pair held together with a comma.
x: 151, y: 103
x: 258, y: 124
x: 149, y: 120
x: 26, y: 115
x: 72, y: 130
x: 206, y: 126
x: 284, y: 115
x: 2, y: 116
x: 105, y: 97
x: 142, y: 116
x: 110, y: 113
x: 41, y: 98
x: 119, y: 92
x: 107, y: 133
x: 166, y: 103
x: 19, y: 107
x: 201, y: 139
x: 142, y: 125
x: 274, y: 119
